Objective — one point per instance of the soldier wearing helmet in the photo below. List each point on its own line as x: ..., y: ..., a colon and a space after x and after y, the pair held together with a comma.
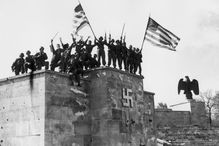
x: 29, y: 62
x: 18, y: 65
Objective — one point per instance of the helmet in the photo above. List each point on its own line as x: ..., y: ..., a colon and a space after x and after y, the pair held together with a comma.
x: 28, y: 52
x: 22, y: 55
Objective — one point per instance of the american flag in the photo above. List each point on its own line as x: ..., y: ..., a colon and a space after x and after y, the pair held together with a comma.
x: 159, y: 36
x: 80, y: 20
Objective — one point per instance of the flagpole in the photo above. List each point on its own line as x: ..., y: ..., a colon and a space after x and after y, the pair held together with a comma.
x: 88, y: 22
x: 144, y: 35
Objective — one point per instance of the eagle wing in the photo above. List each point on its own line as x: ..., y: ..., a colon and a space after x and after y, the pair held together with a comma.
x: 181, y: 85
x: 195, y: 87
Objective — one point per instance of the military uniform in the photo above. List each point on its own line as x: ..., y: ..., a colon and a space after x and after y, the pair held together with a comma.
x: 138, y: 60
x: 56, y: 57
x: 111, y: 53
x: 29, y: 62
x: 100, y: 50
x: 87, y: 59
x: 41, y: 58
x: 93, y: 62
x: 18, y: 65
x: 119, y: 53
x: 76, y: 69
x: 131, y: 60
x: 124, y: 55
x: 65, y: 56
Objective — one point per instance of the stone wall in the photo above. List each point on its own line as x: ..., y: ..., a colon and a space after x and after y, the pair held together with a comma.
x: 119, y: 109
x: 22, y: 110
x: 169, y: 118
x: 190, y: 136
x: 67, y: 119
x: 186, y: 128
x: 110, y: 109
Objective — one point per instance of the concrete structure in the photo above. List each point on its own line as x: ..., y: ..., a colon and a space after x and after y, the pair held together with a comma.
x: 170, y: 118
x: 110, y: 109
x: 198, y: 113
x: 185, y: 127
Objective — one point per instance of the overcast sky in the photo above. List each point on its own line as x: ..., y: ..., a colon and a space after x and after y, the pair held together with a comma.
x: 29, y: 24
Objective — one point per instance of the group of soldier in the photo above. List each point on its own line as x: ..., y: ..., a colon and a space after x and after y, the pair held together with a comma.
x: 74, y: 64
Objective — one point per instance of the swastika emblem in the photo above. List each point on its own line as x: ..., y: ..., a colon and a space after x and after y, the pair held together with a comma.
x: 127, y: 100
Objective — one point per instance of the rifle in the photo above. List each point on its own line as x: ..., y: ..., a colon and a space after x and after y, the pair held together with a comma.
x: 123, y: 29
x: 55, y: 35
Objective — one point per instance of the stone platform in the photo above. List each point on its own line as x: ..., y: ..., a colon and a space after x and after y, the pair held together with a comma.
x: 44, y: 109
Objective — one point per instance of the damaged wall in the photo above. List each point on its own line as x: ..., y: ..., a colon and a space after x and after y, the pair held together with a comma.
x: 110, y: 109
x: 169, y: 118
x: 66, y: 119
x: 119, y: 110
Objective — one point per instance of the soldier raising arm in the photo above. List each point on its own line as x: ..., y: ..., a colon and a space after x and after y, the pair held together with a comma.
x: 56, y: 57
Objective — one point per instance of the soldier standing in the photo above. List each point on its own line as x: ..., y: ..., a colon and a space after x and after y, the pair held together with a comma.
x: 124, y: 55
x: 119, y: 53
x: 131, y: 59
x: 128, y: 58
x: 111, y: 53
x: 100, y: 50
x: 41, y: 58
x: 18, y: 65
x: 138, y: 60
x: 29, y: 62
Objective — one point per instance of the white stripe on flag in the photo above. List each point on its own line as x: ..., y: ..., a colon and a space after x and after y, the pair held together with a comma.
x: 159, y: 45
x: 79, y: 19
x: 160, y: 36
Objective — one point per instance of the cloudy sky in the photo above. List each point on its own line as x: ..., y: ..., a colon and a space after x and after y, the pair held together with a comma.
x: 29, y: 24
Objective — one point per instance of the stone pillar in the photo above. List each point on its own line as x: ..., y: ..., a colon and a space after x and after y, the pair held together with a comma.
x: 117, y: 108
x: 198, y: 113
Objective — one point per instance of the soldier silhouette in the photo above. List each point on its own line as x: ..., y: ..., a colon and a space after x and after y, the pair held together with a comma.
x: 93, y: 62
x: 111, y: 53
x: 124, y: 55
x: 100, y: 50
x: 75, y: 69
x: 41, y: 58
x: 18, y: 65
x: 128, y: 58
x: 65, y: 56
x: 138, y: 60
x: 56, y: 57
x: 29, y: 62
x: 119, y: 53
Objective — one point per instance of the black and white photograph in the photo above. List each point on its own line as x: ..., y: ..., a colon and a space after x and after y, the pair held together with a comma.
x: 109, y: 73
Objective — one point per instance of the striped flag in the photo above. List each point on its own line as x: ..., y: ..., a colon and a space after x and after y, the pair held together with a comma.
x: 159, y: 36
x: 80, y: 20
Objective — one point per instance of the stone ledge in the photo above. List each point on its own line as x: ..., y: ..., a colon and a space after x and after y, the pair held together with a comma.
x: 41, y: 72
x: 116, y: 70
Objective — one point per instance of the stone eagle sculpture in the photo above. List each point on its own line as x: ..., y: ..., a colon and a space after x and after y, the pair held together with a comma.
x: 188, y: 86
